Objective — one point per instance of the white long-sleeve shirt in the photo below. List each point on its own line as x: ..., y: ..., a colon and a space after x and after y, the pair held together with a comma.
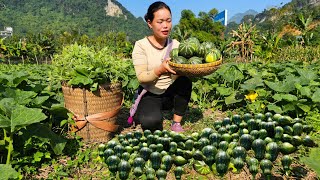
x: 146, y: 57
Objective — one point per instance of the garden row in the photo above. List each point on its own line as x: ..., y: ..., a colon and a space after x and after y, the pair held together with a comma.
x: 255, y: 141
x: 290, y: 88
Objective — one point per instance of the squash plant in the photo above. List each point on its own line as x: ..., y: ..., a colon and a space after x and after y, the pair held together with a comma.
x: 13, y: 117
x: 25, y: 97
x: 84, y: 66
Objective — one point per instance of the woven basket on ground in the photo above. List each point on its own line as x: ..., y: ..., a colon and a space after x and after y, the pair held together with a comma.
x: 195, y: 70
x: 95, y: 113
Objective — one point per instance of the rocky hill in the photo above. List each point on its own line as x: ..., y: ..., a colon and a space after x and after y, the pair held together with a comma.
x: 289, y: 11
x: 238, y: 17
x: 91, y: 17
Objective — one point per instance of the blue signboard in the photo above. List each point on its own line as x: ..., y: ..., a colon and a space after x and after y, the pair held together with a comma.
x: 222, y: 17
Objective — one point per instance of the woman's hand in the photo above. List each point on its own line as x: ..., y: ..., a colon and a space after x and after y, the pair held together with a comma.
x: 164, y: 68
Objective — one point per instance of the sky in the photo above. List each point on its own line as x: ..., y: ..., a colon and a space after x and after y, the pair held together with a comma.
x: 139, y: 7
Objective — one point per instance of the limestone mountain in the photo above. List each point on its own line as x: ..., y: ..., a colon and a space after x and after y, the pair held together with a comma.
x: 238, y: 17
x: 90, y: 17
x: 288, y: 12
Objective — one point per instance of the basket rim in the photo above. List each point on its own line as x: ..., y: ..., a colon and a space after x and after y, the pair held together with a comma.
x: 192, y: 66
x: 100, y: 86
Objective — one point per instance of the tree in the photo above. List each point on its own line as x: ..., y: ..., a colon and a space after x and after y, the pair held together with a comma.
x: 202, y: 26
x: 303, y: 27
x: 212, y: 13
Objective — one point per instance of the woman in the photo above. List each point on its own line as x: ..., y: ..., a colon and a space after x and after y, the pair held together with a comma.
x: 165, y: 90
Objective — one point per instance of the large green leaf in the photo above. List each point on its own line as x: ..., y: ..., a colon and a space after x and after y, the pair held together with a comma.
x: 307, y: 75
x: 277, y: 97
x: 289, y: 97
x: 313, y: 159
x: 252, y: 84
x: 281, y: 86
x: 314, y: 83
x: 286, y: 97
x: 20, y: 96
x: 224, y: 91
x: 263, y: 93
x: 233, y: 98
x: 39, y: 100
x: 304, y: 90
x: 4, y: 121
x: 194, y: 96
x: 13, y: 79
x: 265, y: 74
x: 6, y: 106
x: 288, y: 107
x: 80, y: 80
x: 253, y: 72
x: 7, y: 172
x: 22, y: 116
x: 232, y: 74
x: 304, y: 107
x: 255, y: 106
x: 45, y: 134
x: 275, y: 108
x: 316, y: 96
x: 133, y: 84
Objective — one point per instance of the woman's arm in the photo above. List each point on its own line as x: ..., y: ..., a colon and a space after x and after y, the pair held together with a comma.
x: 140, y: 63
x: 143, y: 75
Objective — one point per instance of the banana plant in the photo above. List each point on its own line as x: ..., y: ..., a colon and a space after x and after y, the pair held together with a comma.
x: 179, y: 34
x: 244, y: 40
x: 268, y: 45
x: 305, y: 26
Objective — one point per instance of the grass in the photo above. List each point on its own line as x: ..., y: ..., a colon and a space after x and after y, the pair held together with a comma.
x: 313, y: 159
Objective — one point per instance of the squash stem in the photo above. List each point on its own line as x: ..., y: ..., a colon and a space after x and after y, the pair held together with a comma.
x: 9, y: 148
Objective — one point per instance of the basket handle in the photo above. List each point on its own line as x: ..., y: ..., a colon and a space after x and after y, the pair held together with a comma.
x: 97, y: 119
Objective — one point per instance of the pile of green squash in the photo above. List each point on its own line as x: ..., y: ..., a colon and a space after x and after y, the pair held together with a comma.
x: 191, y: 51
x: 252, y: 140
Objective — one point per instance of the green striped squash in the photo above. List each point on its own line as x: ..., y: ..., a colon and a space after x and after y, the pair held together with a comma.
x: 213, y: 55
x: 195, y: 60
x: 174, y: 53
x: 180, y: 60
x: 205, y: 48
x: 188, y: 49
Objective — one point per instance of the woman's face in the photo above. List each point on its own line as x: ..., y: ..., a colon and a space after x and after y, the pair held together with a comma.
x: 161, y: 24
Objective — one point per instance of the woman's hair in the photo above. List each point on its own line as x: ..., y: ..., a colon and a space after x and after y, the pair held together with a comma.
x: 154, y: 7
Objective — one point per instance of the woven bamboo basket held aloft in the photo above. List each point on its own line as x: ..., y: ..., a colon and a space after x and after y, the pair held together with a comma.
x: 195, y: 70
x: 95, y: 113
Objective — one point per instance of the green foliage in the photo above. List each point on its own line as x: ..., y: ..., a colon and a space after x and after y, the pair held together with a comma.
x: 37, y: 48
x: 267, y: 45
x: 83, y: 66
x: 290, y: 88
x: 27, y: 98
x: 82, y: 158
x: 8, y: 172
x: 201, y: 27
x: 305, y: 54
x: 312, y: 159
x: 15, y: 117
